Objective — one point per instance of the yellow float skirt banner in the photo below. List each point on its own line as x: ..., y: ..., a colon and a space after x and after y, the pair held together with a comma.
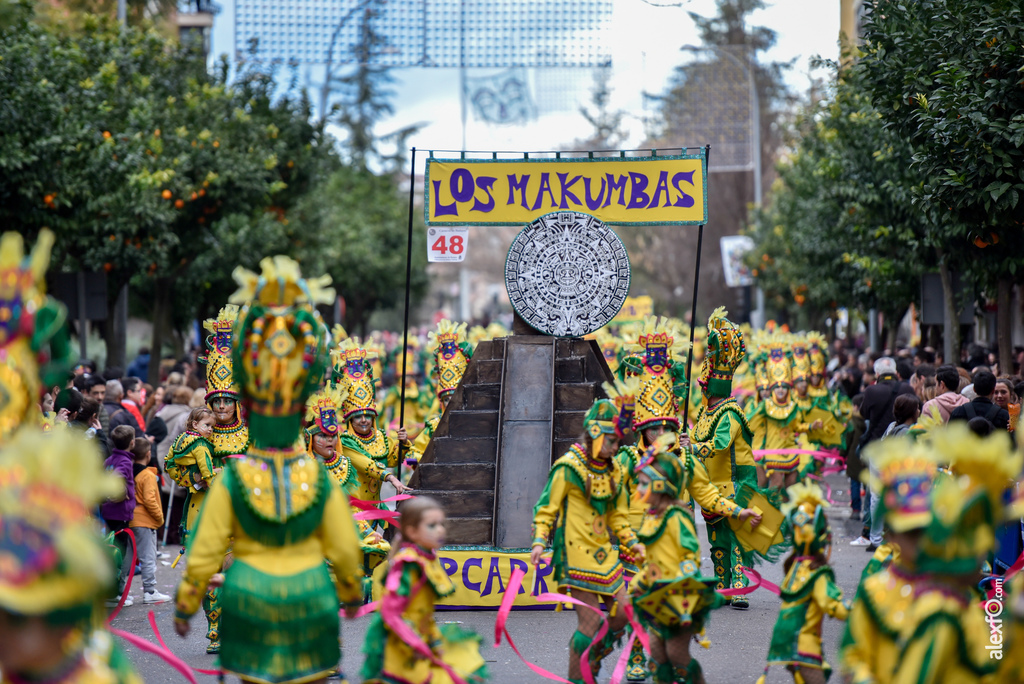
x: 481, y: 573
x: 625, y: 191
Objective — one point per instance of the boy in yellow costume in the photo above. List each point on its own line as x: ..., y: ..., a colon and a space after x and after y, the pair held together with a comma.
x: 451, y: 358
x: 56, y: 567
x: 374, y: 452
x: 817, y: 408
x: 584, y: 503
x: 870, y: 649
x: 809, y: 590
x: 670, y: 597
x: 720, y: 439
x: 282, y: 508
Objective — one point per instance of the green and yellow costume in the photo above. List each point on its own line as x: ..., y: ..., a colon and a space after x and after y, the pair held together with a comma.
x: 777, y: 426
x: 56, y: 566
x: 280, y: 507
x: 189, y: 463
x: 415, y: 581
x: 451, y: 358
x: 669, y: 596
x: 809, y: 589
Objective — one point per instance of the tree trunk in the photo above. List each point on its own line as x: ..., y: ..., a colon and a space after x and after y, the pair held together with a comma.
x: 1004, y: 324
x: 161, y: 325
x: 115, y: 332
x: 951, y: 314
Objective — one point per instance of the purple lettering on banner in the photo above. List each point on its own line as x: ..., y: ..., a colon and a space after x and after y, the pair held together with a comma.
x: 520, y: 185
x: 613, y: 185
x: 492, y: 572
x: 450, y: 565
x: 461, y: 185
x: 545, y: 184
x: 544, y: 570
x: 485, y: 183
x: 662, y: 186
x: 593, y: 204
x: 684, y: 200
x: 466, y: 582
x: 638, y: 199
x: 565, y: 190
x: 443, y: 209
x: 516, y: 564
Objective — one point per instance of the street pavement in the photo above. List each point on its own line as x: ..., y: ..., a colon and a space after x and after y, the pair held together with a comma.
x: 739, y: 639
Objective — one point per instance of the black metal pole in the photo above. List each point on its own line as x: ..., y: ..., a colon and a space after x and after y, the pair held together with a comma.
x: 408, y: 285
x: 693, y: 305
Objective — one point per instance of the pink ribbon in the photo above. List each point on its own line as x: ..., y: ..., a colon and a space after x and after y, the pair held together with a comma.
x: 128, y: 584
x: 391, y: 608
x: 819, y: 454
x: 377, y: 514
x: 364, y: 505
x: 168, y: 653
x: 168, y: 657
x: 758, y: 581
x: 500, y: 628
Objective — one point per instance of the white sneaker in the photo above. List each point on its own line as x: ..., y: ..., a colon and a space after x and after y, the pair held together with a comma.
x: 155, y: 597
x: 112, y: 603
x: 861, y: 541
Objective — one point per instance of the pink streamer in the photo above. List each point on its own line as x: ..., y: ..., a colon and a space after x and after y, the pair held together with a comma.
x: 128, y: 585
x: 500, y: 628
x: 168, y: 657
x: 377, y: 514
x: 364, y: 505
x: 159, y: 637
x: 391, y: 609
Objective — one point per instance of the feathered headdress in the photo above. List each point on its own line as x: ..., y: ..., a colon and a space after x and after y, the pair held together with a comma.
x: 805, y: 518
x: 661, y: 344
x: 53, y: 561
x: 623, y: 395
x: 906, y: 470
x: 451, y: 354
x: 280, y: 357
x: 725, y: 352
x: 219, y: 345
x: 322, y: 411
x: 353, y: 373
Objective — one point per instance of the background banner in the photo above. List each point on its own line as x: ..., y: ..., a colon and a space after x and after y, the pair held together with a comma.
x: 669, y: 190
x: 481, y: 575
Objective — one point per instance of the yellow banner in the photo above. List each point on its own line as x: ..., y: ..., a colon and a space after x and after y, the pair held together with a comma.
x: 481, y: 575
x: 634, y: 309
x: 617, y: 190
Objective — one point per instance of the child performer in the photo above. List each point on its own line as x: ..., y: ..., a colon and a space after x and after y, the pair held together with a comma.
x: 809, y: 590
x: 671, y: 599
x: 404, y: 644
x: 584, y: 501
x: 56, y: 566
x: 190, y: 464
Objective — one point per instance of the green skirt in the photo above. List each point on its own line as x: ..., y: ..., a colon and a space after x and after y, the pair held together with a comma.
x: 279, y: 629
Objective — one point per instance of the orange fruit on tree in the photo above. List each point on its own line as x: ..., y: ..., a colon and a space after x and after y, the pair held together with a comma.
x: 106, y: 135
x: 166, y: 194
x: 179, y: 203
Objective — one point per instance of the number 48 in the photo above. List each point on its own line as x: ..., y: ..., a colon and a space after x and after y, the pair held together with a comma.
x: 454, y: 245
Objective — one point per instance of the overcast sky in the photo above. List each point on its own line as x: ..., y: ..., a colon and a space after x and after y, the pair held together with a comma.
x: 645, y: 41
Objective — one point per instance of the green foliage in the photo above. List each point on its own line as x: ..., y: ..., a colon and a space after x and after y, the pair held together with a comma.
x: 840, y: 229
x: 948, y: 76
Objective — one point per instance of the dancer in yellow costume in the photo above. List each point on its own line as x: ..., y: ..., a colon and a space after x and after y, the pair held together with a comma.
x: 584, y: 503
x: 817, y: 408
x: 230, y: 435
x: 720, y: 439
x: 322, y: 432
x: 374, y: 452
x: 418, y: 399
x: 31, y: 323
x: 451, y: 358
x: 778, y: 421
x: 945, y: 638
x: 670, y: 597
x: 403, y: 644
x: 56, y: 568
x: 809, y: 590
x: 870, y: 649
x: 283, y: 510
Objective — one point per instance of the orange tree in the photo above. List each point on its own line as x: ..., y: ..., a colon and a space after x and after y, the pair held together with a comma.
x: 948, y: 77
x: 125, y: 145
